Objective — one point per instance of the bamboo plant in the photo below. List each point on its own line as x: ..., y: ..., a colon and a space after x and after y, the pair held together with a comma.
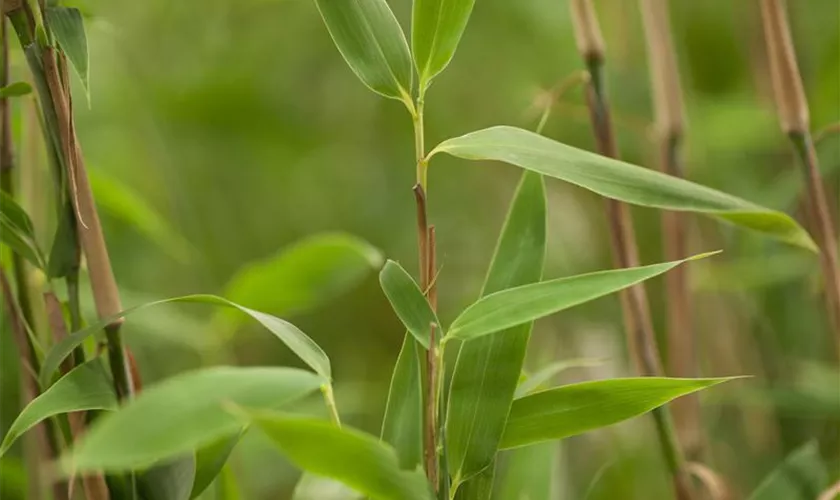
x: 446, y: 422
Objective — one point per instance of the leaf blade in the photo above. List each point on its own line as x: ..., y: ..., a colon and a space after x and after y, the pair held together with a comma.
x: 16, y: 89
x: 210, y: 459
x: 297, y: 341
x: 436, y: 30
x: 372, y: 43
x: 619, y: 180
x: 487, y: 369
x: 86, y: 387
x: 515, y: 306
x: 576, y: 408
x: 183, y: 413
x: 402, y: 425
x: 408, y: 302
x: 356, y: 459
x: 68, y: 26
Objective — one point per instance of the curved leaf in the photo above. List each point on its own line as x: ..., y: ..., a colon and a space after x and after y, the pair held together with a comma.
x: 436, y: 29
x: 183, y: 413
x: 299, y: 343
x: 67, y: 25
x: 86, y: 387
x: 15, y: 89
x: 515, y: 306
x: 210, y: 460
x: 369, y: 37
x: 619, y: 180
x: 577, y: 408
x: 358, y: 460
x: 408, y: 301
x: 488, y: 368
x: 17, y: 232
x: 304, y: 275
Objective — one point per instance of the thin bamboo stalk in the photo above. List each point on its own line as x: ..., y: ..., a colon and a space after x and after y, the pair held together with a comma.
x: 638, y: 324
x: 794, y: 118
x: 670, y: 130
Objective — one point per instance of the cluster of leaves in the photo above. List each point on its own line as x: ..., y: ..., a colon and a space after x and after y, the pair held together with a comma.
x: 177, y: 435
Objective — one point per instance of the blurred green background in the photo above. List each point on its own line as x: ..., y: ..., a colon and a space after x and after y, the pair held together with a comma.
x: 226, y: 130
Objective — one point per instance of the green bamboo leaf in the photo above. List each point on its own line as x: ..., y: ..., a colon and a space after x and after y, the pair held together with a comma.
x: 515, y: 306
x: 436, y: 29
x: 299, y: 343
x: 371, y: 41
x: 64, y: 254
x: 478, y: 487
x: 170, y: 480
x: 305, y: 275
x: 619, y: 180
x: 531, y: 473
x: 17, y: 232
x: 402, y: 426
x: 86, y: 387
x: 801, y: 476
x: 408, y: 302
x: 16, y: 89
x: 577, y: 408
x: 227, y: 489
x: 487, y: 369
x: 210, y: 460
x: 68, y: 26
x: 119, y: 200
x: 358, y: 460
x: 184, y: 413
x: 536, y: 380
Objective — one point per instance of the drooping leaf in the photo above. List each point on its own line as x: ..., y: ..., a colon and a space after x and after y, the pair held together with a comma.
x: 369, y: 37
x: 358, y: 460
x: 210, y: 459
x: 120, y: 201
x: 402, y: 426
x: 408, y: 302
x: 436, y: 29
x: 17, y: 232
x: 515, y: 306
x: 299, y: 343
x: 170, y: 480
x: 305, y: 275
x: 64, y: 254
x: 536, y: 380
x: 86, y: 387
x: 619, y: 180
x: 577, y: 408
x: 487, y: 369
x: 801, y: 476
x: 67, y: 25
x: 184, y: 413
x: 15, y: 89
x: 531, y: 472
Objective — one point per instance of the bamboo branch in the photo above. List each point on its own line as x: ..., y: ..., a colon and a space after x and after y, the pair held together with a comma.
x: 794, y: 118
x: 670, y: 127
x: 640, y: 335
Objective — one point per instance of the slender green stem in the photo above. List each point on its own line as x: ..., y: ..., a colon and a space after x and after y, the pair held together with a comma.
x: 117, y: 361
x: 329, y: 399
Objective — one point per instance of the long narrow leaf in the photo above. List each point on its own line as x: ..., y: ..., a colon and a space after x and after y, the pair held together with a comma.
x: 436, y: 29
x: 358, y: 460
x: 619, y: 180
x: 577, y: 408
x: 802, y: 475
x: 515, y: 306
x: 303, y: 346
x: 170, y: 480
x: 369, y: 37
x: 86, y: 387
x: 184, y: 413
x: 15, y: 89
x: 402, y: 426
x: 68, y: 27
x: 408, y: 302
x: 210, y: 460
x: 17, y: 232
x: 487, y: 369
x: 534, y: 381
